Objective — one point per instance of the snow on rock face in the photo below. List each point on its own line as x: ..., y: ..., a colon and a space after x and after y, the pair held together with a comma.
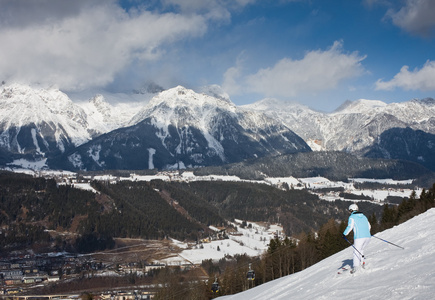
x: 39, y: 122
x: 361, y: 106
x: 355, y: 125
x: 391, y: 272
x: 101, y: 106
x: 191, y: 129
x: 104, y: 117
x: 22, y: 105
x: 48, y: 116
x: 172, y: 103
x: 183, y: 108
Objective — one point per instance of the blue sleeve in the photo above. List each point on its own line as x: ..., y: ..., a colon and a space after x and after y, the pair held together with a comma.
x: 350, y: 225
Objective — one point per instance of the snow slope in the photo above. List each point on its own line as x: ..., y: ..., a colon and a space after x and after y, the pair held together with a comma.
x: 252, y: 241
x: 392, y: 273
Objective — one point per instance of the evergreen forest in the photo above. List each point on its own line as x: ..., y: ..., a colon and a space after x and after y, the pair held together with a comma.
x: 34, y: 209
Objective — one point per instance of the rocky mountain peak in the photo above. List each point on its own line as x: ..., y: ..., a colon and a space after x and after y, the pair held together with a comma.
x: 23, y: 105
x: 180, y: 103
x: 181, y: 96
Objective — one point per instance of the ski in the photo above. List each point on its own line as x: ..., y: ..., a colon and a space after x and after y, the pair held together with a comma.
x: 347, y: 268
x: 343, y: 270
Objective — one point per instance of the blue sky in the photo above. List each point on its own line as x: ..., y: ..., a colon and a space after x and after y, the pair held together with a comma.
x: 316, y: 52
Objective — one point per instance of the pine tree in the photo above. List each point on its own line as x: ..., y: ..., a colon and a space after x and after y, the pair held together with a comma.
x: 389, y: 217
x: 374, y: 224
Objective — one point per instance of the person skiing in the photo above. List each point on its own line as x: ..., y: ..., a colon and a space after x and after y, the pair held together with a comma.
x: 360, y: 225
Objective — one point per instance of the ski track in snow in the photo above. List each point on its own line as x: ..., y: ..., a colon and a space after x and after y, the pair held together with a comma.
x: 391, y: 273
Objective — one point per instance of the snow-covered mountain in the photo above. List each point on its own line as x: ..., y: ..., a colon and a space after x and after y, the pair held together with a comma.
x: 304, y: 122
x: 206, y: 126
x: 104, y: 117
x: 38, y: 123
x: 35, y: 122
x: 181, y: 128
x: 357, y: 127
x: 109, y: 111
x: 391, y: 272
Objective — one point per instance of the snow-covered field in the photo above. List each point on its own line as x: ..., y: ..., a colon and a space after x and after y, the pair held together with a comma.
x: 313, y: 184
x: 250, y: 241
x: 391, y: 273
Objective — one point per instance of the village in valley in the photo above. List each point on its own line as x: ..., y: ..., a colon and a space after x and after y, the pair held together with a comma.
x: 21, y: 271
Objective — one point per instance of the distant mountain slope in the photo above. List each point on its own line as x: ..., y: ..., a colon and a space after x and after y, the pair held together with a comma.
x: 180, y: 128
x: 34, y: 122
x: 392, y: 273
x: 333, y: 165
x: 32, y: 206
x: 405, y: 143
x: 38, y: 123
x: 357, y: 126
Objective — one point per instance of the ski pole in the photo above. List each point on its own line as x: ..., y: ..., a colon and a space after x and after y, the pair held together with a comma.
x: 388, y: 242
x: 353, y: 246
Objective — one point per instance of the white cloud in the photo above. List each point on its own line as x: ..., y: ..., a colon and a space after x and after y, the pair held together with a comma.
x: 230, y: 84
x: 217, y: 10
x: 232, y: 77
x: 317, y: 71
x: 373, y: 3
x: 423, y: 79
x: 416, y: 16
x: 212, y: 9
x: 88, y: 45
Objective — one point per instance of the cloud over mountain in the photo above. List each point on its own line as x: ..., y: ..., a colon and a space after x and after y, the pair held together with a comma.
x: 417, y: 79
x: 86, y: 44
x: 317, y: 71
x: 314, y: 52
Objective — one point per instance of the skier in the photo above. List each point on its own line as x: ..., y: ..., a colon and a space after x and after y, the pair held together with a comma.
x: 361, y: 232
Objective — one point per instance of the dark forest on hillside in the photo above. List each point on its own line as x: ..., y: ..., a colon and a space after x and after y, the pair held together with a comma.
x: 149, y: 210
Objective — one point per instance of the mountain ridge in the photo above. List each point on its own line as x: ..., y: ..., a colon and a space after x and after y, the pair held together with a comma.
x: 180, y: 128
x: 48, y: 124
x: 356, y: 126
